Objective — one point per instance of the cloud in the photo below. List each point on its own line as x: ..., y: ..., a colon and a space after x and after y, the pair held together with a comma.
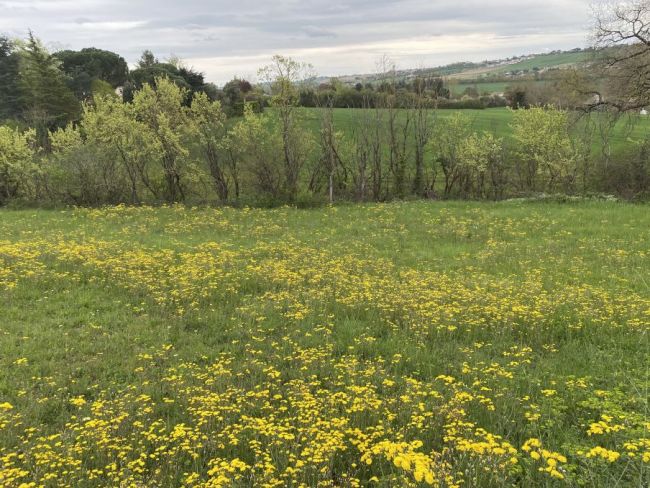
x: 108, y: 26
x: 315, y: 31
x: 225, y: 38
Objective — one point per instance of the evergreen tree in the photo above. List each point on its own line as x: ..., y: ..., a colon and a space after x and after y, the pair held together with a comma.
x: 9, y: 89
x: 48, y: 101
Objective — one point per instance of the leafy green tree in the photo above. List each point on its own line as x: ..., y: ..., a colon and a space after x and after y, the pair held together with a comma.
x: 160, y: 109
x: 101, y: 89
x: 235, y: 94
x: 76, y: 172
x: 98, y: 63
x: 483, y: 165
x: 18, y: 169
x: 147, y: 76
x: 546, y: 157
x: 149, y: 69
x: 147, y: 60
x: 209, y: 121
x: 256, y: 142
x: 90, y: 64
x: 517, y: 96
x: 109, y: 157
x: 113, y: 126
x: 447, y: 145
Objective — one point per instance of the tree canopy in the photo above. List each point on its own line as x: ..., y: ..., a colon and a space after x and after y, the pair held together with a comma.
x: 90, y: 64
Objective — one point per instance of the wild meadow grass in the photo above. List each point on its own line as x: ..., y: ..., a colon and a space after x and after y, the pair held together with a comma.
x: 497, y: 121
x: 403, y: 344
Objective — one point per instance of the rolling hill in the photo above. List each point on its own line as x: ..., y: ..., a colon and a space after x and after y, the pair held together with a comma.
x: 490, y: 76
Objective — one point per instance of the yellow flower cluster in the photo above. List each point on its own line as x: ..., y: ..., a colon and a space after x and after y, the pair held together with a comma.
x: 638, y: 448
x: 552, y: 460
x: 405, y: 456
x: 602, y: 453
x: 604, y: 426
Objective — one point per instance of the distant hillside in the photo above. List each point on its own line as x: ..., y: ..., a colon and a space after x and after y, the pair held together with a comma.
x: 489, y: 76
x: 519, y: 65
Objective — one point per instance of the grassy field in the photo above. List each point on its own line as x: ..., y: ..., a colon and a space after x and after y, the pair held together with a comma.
x: 495, y: 120
x: 489, y: 86
x: 405, y: 344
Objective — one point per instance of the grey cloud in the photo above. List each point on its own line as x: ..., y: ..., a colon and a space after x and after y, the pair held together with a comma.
x: 246, y: 29
x: 314, y: 31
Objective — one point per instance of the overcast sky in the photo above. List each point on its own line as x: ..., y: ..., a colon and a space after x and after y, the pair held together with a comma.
x: 228, y: 38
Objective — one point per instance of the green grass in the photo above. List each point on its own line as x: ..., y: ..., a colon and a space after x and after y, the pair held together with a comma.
x: 488, y: 86
x: 497, y: 121
x: 271, y: 332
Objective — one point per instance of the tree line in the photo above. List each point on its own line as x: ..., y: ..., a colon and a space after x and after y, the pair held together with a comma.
x: 168, y: 136
x: 45, y: 90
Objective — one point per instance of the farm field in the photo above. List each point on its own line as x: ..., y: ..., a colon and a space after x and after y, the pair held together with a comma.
x: 495, y: 120
x: 555, y: 60
x: 404, y: 344
x: 490, y: 86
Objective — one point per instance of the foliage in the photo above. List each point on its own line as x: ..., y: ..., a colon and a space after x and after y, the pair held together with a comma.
x: 483, y: 162
x: 48, y: 100
x: 543, y: 149
x: 18, y: 169
x: 256, y: 142
x: 283, y: 74
x: 90, y: 65
x: 236, y: 94
x: 10, y: 98
x: 160, y: 110
x: 170, y: 142
x: 150, y: 69
x: 209, y: 120
x: 447, y: 144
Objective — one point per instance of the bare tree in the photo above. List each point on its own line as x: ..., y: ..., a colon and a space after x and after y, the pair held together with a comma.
x: 377, y: 150
x: 363, y: 143
x: 422, y: 131
x: 622, y: 37
x: 398, y: 124
x: 330, y: 163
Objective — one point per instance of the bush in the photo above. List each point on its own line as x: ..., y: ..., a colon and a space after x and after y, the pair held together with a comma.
x: 18, y: 169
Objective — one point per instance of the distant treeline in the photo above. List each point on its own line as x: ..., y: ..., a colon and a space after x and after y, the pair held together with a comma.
x: 429, y: 90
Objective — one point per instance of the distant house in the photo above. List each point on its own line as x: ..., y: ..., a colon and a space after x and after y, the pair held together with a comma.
x: 643, y: 112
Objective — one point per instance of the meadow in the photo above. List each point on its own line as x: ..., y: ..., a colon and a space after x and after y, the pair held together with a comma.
x: 406, y: 344
x: 496, y: 121
x: 485, y: 87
